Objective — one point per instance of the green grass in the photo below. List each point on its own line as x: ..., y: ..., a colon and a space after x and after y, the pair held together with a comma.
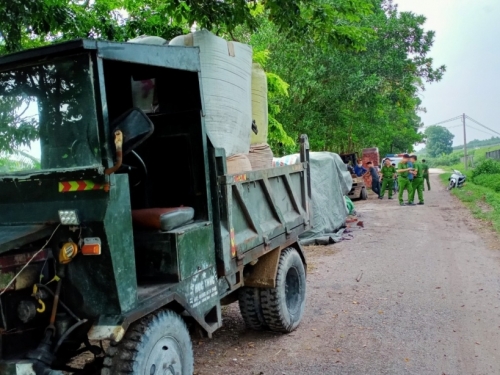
x: 482, y: 201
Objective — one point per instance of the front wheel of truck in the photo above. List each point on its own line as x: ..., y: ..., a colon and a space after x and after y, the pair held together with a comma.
x: 157, y: 344
x: 283, y: 306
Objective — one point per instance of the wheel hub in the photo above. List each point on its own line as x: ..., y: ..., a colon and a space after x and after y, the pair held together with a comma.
x: 165, y: 358
x: 292, y: 291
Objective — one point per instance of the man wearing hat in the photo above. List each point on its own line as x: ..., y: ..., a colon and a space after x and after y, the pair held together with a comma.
x: 425, y: 168
x: 403, y: 181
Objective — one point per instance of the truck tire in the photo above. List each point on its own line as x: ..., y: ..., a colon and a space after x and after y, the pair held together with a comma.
x: 364, y: 194
x: 152, y: 345
x: 251, y: 308
x: 283, y: 306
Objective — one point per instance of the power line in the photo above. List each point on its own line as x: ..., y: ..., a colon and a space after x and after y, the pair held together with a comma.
x: 491, y: 130
x: 479, y: 130
x: 445, y: 121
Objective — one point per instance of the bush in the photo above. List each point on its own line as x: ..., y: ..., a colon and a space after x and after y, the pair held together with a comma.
x: 444, y: 160
x: 491, y: 181
x: 486, y: 167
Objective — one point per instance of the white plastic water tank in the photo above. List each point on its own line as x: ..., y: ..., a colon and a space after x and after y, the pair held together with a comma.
x: 259, y: 104
x: 226, y: 75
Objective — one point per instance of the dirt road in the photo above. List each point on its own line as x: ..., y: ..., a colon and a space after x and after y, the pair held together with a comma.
x: 428, y: 301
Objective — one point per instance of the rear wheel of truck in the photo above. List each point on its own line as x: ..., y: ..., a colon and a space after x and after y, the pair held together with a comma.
x: 364, y: 194
x: 157, y: 344
x: 283, y: 306
x: 251, y: 308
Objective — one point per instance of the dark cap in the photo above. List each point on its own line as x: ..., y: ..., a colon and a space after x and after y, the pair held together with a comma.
x: 406, y: 156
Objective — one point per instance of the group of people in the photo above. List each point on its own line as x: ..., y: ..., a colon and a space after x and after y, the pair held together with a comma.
x: 408, y: 175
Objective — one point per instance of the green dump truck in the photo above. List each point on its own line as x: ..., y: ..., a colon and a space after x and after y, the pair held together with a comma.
x: 127, y: 229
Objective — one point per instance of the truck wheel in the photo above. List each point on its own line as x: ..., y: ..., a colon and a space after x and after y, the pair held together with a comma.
x: 157, y: 344
x: 251, y: 308
x: 284, y: 305
x: 364, y: 194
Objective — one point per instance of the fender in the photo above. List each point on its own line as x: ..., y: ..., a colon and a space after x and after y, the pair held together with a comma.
x: 263, y: 273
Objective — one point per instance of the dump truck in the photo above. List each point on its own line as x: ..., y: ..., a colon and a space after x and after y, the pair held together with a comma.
x: 121, y: 232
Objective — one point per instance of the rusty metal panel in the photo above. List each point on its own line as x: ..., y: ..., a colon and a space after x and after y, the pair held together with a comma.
x: 263, y: 274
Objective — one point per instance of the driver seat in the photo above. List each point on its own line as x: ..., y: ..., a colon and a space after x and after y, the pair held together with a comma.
x: 164, y: 219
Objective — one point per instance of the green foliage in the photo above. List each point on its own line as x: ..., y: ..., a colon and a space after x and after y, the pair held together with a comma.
x: 439, y: 140
x: 17, y: 160
x: 493, y: 141
x: 346, y: 72
x: 491, y: 181
x: 487, y: 167
x: 347, y: 100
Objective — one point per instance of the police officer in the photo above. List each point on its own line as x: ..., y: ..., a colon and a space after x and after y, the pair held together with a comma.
x: 388, y: 172
x: 403, y: 181
x: 418, y: 180
x: 425, y: 168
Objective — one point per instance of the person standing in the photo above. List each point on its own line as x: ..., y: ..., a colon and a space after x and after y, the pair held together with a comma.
x: 418, y: 180
x: 403, y: 181
x: 388, y: 173
x: 425, y: 169
x: 375, y: 178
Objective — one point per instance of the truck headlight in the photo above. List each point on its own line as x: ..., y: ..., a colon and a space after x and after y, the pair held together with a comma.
x: 69, y: 217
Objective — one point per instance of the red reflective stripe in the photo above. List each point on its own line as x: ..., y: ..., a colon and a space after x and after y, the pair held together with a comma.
x: 66, y: 186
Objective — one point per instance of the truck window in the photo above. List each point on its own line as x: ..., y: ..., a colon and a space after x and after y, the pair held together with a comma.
x: 48, y: 117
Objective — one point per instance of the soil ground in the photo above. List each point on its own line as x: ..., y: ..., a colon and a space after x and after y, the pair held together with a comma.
x: 428, y: 301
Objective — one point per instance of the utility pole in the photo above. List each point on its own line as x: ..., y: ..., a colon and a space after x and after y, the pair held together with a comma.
x: 465, y: 143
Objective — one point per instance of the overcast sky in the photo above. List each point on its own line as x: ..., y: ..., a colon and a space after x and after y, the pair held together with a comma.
x: 467, y: 42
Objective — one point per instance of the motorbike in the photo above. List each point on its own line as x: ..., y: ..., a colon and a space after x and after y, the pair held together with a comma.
x: 457, y: 180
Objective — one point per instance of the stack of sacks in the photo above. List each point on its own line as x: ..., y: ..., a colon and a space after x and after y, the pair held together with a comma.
x: 226, y: 75
x: 261, y: 155
x: 238, y: 163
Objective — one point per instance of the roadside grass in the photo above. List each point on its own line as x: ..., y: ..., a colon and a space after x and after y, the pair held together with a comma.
x: 483, y: 202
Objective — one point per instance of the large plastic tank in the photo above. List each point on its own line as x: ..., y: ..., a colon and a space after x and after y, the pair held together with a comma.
x: 226, y: 75
x: 259, y: 104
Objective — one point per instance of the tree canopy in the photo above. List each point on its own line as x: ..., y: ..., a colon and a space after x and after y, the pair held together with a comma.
x: 439, y: 141
x: 346, y: 72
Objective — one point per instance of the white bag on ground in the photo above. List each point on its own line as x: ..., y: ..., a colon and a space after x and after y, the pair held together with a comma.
x: 260, y: 156
x: 259, y: 104
x: 226, y: 75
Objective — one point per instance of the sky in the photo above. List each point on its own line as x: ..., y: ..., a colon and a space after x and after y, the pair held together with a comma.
x: 467, y: 42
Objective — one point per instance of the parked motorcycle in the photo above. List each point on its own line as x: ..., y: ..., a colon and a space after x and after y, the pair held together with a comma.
x: 457, y: 180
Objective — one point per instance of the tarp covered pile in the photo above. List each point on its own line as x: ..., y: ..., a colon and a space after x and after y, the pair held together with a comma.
x: 330, y: 182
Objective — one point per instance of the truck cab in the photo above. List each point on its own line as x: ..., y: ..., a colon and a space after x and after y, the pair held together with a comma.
x: 117, y: 214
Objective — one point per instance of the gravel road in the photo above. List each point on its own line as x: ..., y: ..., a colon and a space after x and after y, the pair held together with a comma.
x: 427, y: 302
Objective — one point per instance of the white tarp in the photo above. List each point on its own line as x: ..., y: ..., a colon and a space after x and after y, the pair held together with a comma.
x: 330, y: 182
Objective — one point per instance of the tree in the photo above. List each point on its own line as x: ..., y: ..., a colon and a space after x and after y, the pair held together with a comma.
x: 25, y: 23
x: 346, y: 100
x: 439, y: 140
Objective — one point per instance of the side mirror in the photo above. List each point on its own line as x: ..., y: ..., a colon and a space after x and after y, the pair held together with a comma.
x: 135, y: 126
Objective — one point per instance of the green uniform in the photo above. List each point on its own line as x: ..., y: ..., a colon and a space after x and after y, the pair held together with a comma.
x: 404, y: 183
x: 425, y: 168
x: 418, y: 183
x: 387, y: 182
